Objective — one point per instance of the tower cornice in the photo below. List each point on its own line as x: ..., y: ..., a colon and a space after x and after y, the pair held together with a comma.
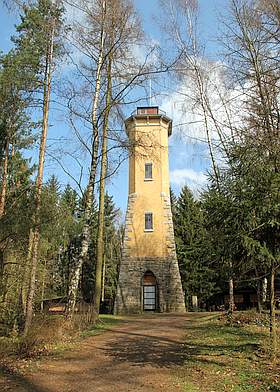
x: 148, y: 117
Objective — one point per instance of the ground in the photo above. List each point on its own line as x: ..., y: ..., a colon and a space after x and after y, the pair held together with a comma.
x: 191, y: 352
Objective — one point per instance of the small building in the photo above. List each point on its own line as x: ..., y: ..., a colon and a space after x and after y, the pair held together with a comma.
x: 149, y: 278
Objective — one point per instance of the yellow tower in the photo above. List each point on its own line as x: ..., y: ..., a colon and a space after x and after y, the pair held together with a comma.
x: 149, y: 276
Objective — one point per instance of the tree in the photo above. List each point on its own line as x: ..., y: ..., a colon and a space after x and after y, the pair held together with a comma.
x: 38, y: 34
x: 14, y: 228
x: 206, y: 91
x: 112, y: 250
x: 16, y: 81
x: 224, y: 219
x: 101, y: 211
x: 110, y: 259
x: 252, y: 45
x: 190, y: 237
x: 95, y: 15
x: 117, y: 28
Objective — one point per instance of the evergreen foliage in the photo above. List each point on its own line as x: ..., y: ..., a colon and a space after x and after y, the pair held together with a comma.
x: 192, y: 247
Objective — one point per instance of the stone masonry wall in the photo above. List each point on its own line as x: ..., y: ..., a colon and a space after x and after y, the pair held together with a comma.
x: 169, y: 287
x: 129, y: 294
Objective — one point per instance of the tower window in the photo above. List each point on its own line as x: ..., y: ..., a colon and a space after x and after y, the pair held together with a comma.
x: 148, y: 171
x: 148, y: 221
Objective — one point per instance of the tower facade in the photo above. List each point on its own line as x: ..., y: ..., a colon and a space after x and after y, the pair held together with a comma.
x: 149, y: 277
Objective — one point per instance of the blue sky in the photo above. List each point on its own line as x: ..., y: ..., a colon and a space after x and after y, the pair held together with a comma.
x: 189, y: 160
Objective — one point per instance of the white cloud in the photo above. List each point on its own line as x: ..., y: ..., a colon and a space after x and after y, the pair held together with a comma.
x: 194, y: 179
x: 145, y: 52
x: 226, y: 103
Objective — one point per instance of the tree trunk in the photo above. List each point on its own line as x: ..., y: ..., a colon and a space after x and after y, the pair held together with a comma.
x: 272, y: 327
x: 39, y: 186
x: 259, y: 297
x: 231, y: 290
x: 26, y: 272
x: 103, y: 278
x: 76, y: 270
x: 103, y: 172
x: 264, y: 290
x: 43, y: 286
x: 258, y: 291
x: 1, y: 272
x: 4, y: 180
x: 231, y: 296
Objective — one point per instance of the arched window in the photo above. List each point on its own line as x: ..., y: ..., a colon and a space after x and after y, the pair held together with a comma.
x: 149, y: 279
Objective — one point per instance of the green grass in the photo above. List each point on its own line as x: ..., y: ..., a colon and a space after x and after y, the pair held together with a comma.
x: 227, y: 358
x: 106, y: 321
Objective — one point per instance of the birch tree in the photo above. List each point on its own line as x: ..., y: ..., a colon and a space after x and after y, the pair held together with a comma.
x: 92, y: 15
x: 122, y: 35
x: 117, y: 26
x: 204, y: 93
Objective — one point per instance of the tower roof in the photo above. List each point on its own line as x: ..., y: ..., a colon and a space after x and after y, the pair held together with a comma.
x: 149, y: 112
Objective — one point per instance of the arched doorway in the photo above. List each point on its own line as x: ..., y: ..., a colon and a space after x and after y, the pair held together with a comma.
x: 149, y: 284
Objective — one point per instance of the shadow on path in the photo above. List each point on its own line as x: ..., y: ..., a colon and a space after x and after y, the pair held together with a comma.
x: 17, y: 381
x: 142, y: 350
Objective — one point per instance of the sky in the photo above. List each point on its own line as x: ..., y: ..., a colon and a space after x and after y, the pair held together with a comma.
x: 188, y: 159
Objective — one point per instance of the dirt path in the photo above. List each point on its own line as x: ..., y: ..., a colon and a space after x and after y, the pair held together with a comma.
x: 141, y: 354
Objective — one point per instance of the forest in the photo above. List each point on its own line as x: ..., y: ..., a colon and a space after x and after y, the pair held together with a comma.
x: 91, y: 63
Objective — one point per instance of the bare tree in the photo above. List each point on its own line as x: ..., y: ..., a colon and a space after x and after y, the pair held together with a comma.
x: 119, y: 32
x: 93, y: 14
x: 208, y: 93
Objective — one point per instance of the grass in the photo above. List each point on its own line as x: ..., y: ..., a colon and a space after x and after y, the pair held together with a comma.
x: 106, y: 321
x: 220, y: 357
x: 51, y: 336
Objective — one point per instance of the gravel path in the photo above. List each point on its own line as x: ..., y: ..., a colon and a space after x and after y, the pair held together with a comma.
x: 141, y: 354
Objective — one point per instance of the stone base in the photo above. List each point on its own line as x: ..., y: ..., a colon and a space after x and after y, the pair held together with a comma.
x: 170, y: 297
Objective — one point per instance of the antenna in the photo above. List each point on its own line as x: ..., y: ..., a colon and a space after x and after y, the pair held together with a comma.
x: 150, y: 92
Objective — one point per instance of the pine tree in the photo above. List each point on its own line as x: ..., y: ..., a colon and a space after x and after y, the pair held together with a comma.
x: 112, y: 252
x: 191, y: 247
x: 38, y: 34
x: 15, y: 125
x: 14, y: 229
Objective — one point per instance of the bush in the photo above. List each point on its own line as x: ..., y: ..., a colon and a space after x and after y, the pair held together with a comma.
x: 45, y: 332
x: 11, y: 320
